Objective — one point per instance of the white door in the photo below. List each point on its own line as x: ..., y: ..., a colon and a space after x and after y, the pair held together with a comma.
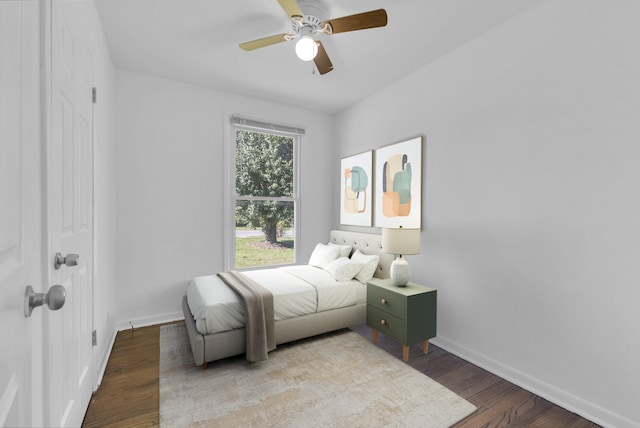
x: 70, y: 217
x: 20, y: 211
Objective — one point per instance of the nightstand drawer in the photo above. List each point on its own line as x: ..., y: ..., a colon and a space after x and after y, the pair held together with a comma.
x: 387, y: 301
x: 386, y: 323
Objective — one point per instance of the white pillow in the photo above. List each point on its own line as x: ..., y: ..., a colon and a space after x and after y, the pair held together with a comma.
x: 345, y: 250
x: 323, y: 255
x: 343, y: 269
x: 370, y: 264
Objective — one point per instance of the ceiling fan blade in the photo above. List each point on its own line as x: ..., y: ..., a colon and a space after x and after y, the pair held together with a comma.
x: 291, y: 7
x: 322, y: 60
x: 360, y: 21
x: 261, y: 43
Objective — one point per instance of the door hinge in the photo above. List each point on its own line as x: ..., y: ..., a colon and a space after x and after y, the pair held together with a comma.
x: 94, y: 338
x: 94, y: 94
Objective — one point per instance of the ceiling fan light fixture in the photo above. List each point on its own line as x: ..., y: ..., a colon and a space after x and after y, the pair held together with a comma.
x: 306, y: 48
x: 307, y: 21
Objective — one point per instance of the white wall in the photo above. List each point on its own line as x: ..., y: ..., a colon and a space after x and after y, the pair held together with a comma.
x: 531, y: 207
x: 171, y: 137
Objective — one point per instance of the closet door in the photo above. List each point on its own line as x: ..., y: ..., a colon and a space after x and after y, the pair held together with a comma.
x: 70, y: 215
x: 20, y: 212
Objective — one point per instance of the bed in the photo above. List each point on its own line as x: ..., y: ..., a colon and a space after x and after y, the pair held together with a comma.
x: 292, y: 321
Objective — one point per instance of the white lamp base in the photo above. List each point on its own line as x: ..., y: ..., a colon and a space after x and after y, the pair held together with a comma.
x: 400, y: 272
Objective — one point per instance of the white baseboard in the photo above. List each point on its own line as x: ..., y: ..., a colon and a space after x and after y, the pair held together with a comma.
x: 149, y: 320
x: 562, y: 398
x: 105, y: 359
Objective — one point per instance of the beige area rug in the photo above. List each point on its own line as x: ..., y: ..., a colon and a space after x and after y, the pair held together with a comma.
x: 335, y: 380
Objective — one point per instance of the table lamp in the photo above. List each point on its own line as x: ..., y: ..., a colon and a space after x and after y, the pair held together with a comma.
x: 400, y: 241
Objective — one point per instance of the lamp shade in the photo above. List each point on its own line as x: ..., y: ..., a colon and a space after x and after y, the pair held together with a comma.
x: 401, y: 241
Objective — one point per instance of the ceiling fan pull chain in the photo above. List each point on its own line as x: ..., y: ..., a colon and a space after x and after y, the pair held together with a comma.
x: 313, y: 67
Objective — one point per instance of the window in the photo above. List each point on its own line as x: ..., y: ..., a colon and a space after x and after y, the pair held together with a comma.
x: 264, y: 197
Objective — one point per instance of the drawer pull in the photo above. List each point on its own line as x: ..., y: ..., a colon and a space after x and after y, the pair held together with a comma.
x: 383, y: 322
x: 383, y: 301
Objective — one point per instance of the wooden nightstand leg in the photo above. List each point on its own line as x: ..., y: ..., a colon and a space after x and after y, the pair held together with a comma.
x: 375, y: 335
x: 405, y: 353
x: 425, y: 347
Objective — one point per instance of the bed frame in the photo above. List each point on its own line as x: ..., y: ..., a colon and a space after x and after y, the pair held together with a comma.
x: 211, y: 347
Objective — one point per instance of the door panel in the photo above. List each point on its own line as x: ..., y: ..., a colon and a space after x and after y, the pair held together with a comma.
x: 18, y: 202
x: 70, y: 199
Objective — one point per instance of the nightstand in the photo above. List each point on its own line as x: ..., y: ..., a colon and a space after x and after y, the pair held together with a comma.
x: 406, y: 314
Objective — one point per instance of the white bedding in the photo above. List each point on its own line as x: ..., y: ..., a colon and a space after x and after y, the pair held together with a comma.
x: 297, y: 290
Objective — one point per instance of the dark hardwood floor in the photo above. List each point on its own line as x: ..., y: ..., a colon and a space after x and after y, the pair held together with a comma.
x: 129, y: 394
x: 130, y: 390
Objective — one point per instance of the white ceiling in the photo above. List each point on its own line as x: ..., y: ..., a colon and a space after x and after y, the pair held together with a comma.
x: 196, y: 41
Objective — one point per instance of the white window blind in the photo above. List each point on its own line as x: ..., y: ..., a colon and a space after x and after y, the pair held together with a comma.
x: 266, y: 126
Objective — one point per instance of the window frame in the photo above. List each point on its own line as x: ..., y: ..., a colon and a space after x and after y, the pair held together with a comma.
x: 235, y: 123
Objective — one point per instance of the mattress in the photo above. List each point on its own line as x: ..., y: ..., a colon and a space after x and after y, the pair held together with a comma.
x: 297, y: 290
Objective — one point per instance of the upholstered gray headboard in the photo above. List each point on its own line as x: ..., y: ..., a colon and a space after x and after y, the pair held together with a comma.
x: 368, y: 243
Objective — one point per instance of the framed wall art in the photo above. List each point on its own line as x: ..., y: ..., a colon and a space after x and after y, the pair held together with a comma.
x: 356, y: 189
x: 398, y: 200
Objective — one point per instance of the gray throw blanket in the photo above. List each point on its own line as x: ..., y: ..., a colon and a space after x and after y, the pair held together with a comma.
x: 259, y: 331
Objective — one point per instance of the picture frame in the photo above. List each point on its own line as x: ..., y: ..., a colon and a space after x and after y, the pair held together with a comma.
x: 398, y: 178
x: 356, y: 194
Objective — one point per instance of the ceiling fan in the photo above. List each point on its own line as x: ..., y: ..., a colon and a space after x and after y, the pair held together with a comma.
x: 308, y: 24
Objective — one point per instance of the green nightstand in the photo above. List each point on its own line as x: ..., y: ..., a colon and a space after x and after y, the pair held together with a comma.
x: 406, y: 314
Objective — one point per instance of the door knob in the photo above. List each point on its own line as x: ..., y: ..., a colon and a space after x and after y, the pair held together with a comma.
x: 54, y: 299
x: 68, y: 260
